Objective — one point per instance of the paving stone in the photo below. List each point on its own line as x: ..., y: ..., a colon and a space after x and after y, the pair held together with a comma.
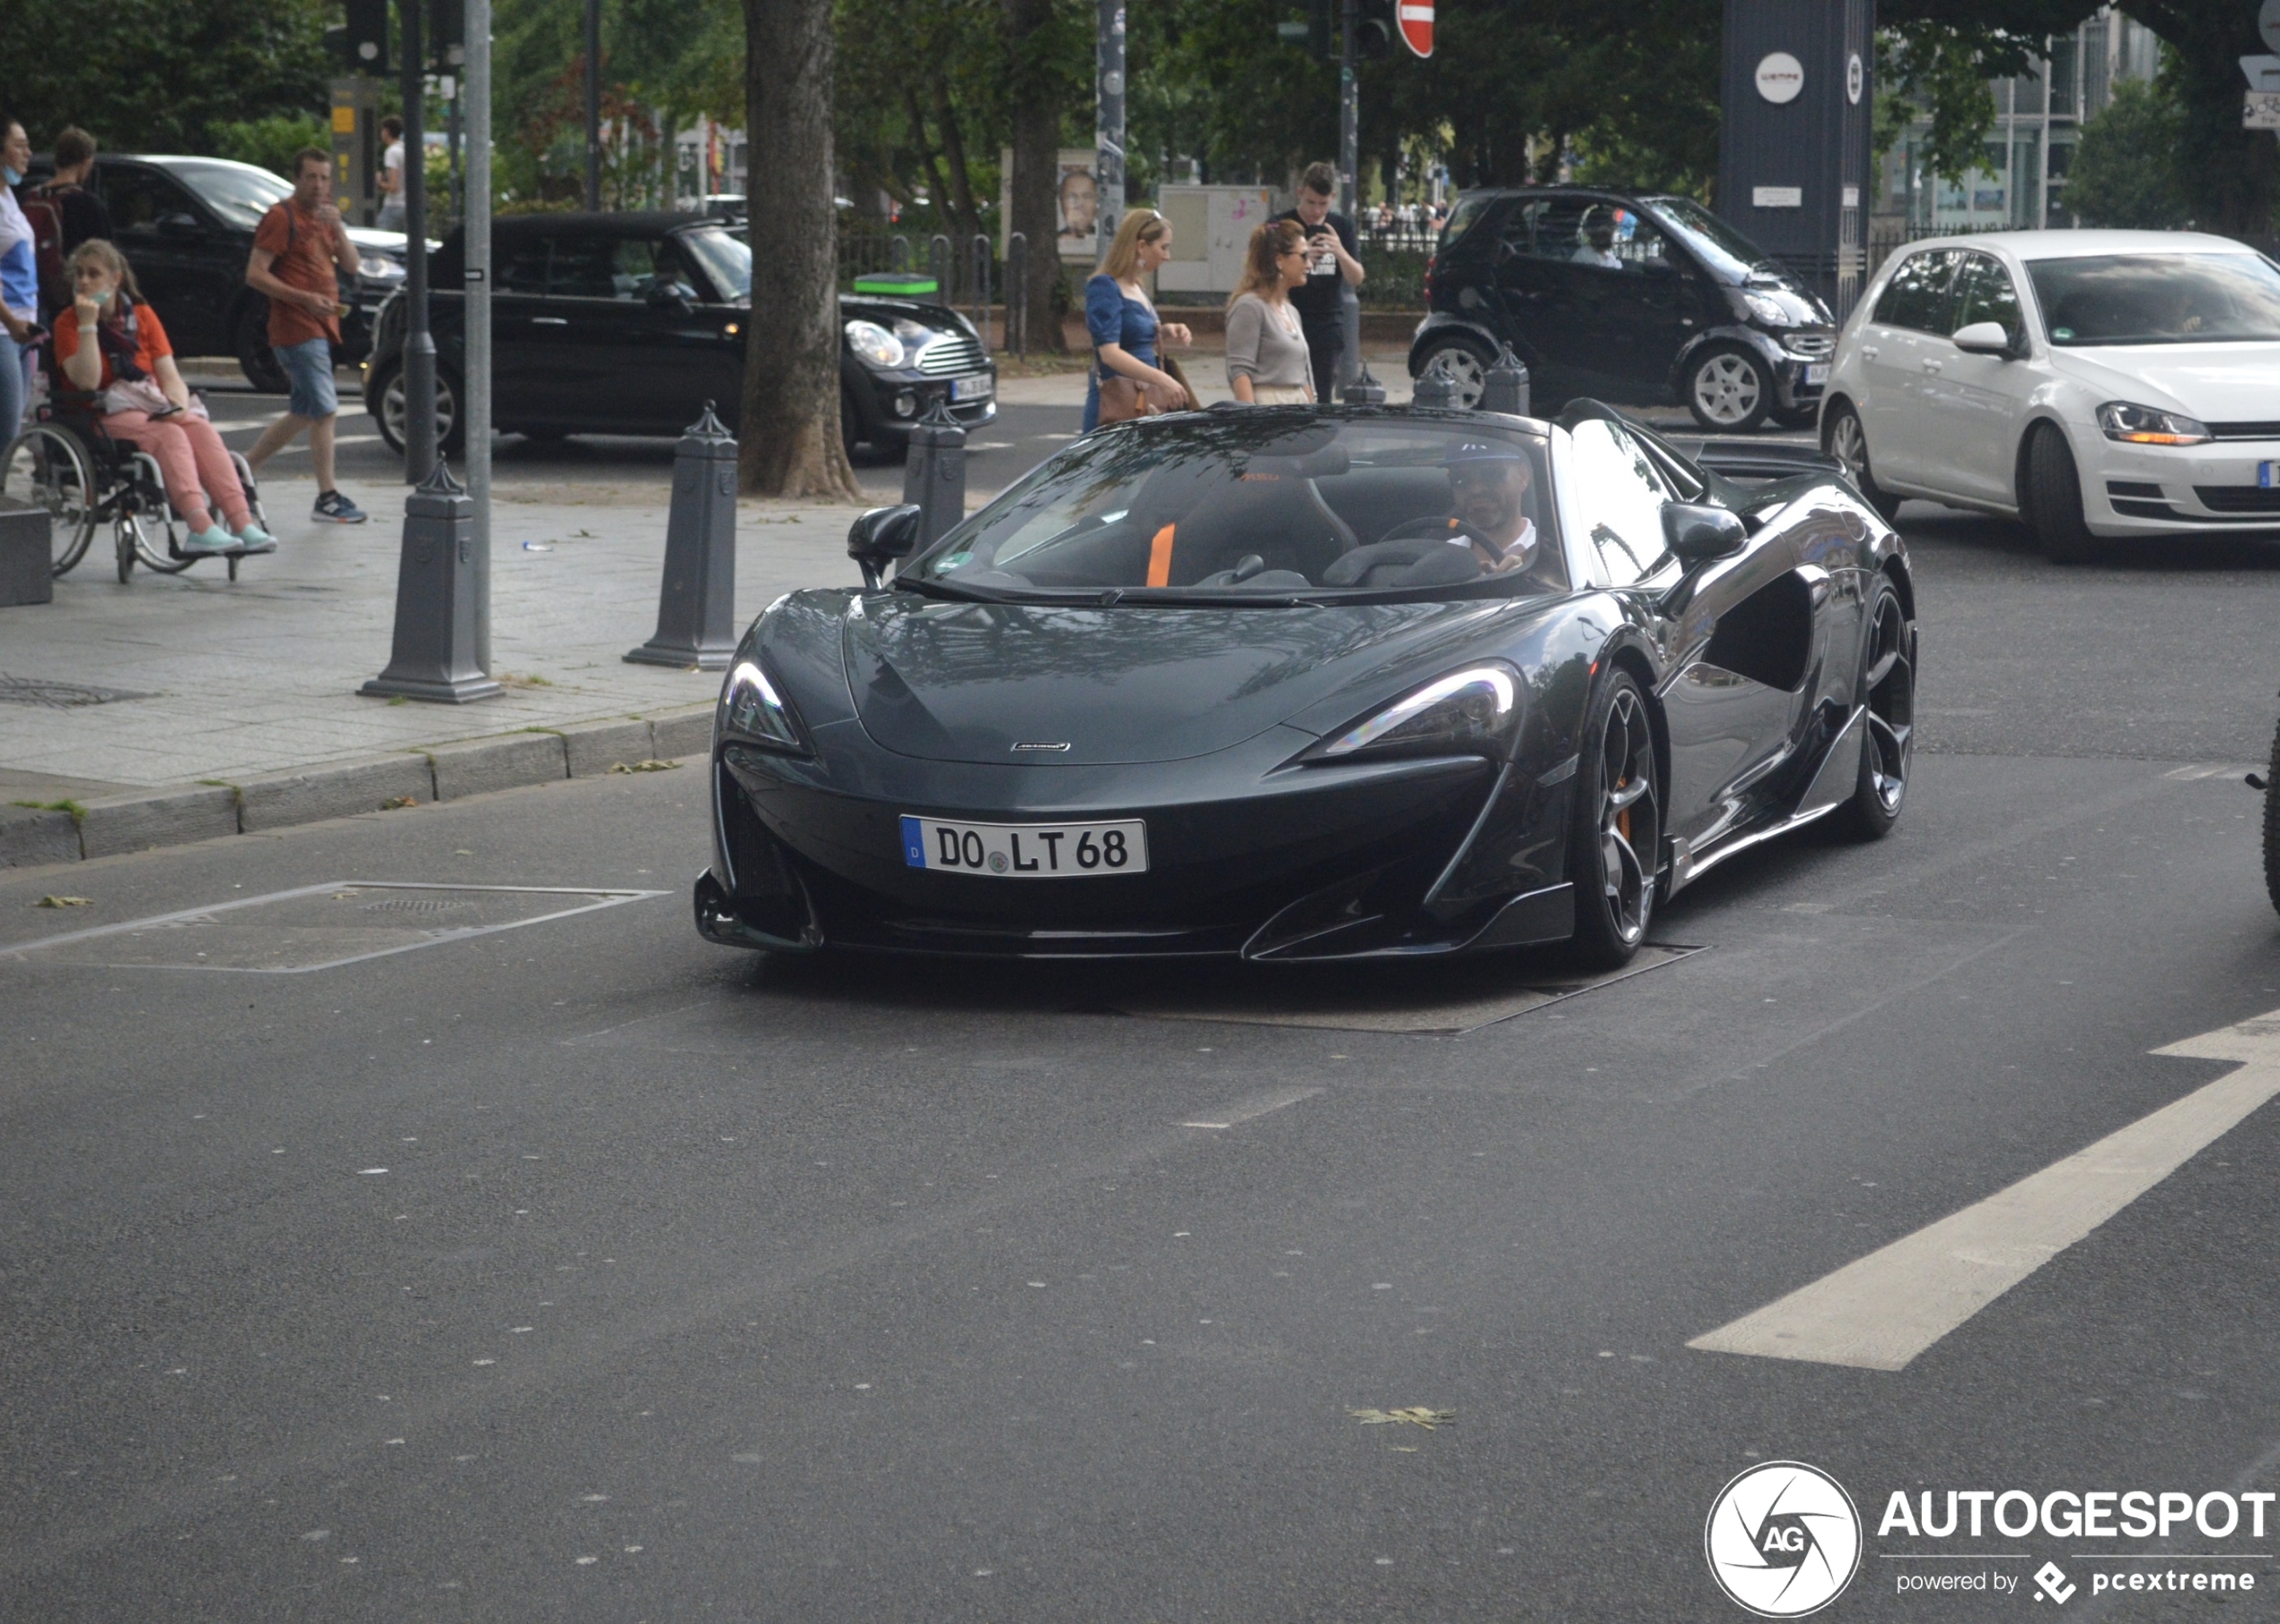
x: 340, y: 789
x: 480, y: 765
x: 142, y: 818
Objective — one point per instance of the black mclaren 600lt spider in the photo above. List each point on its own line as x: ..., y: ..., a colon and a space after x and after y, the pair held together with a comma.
x: 1304, y: 683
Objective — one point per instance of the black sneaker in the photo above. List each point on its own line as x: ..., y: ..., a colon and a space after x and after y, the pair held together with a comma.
x: 333, y: 508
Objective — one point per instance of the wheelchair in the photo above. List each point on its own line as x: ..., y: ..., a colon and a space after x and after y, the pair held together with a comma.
x: 65, y: 462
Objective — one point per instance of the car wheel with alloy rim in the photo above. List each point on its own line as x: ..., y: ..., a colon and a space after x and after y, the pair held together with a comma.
x: 1615, y: 848
x: 1843, y: 438
x: 1464, y: 362
x: 1888, y: 698
x: 1728, y: 389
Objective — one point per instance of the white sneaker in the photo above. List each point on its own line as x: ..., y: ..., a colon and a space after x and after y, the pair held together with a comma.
x: 212, y: 540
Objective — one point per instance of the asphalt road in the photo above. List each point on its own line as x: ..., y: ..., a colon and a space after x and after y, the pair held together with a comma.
x: 584, y: 1270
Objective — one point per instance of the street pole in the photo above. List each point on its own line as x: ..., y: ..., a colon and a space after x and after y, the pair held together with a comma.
x: 419, y: 345
x: 1108, y: 120
x: 476, y: 234
x: 593, y: 104
x: 1349, y: 110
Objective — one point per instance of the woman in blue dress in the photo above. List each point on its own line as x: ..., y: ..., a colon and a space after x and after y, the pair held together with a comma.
x: 1122, y: 321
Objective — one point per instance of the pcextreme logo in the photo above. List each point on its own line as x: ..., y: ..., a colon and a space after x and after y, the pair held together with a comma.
x: 1784, y: 1540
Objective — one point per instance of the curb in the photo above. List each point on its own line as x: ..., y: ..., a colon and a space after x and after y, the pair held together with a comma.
x: 178, y: 814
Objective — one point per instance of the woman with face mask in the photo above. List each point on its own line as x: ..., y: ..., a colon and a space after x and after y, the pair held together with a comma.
x: 19, y: 283
x: 109, y: 341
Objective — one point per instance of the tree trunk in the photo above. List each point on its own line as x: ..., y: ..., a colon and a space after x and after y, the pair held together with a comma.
x: 790, y: 428
x: 1035, y: 103
x: 2232, y: 175
x: 962, y: 184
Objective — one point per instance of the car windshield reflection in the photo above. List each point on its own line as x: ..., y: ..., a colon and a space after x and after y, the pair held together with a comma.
x: 238, y: 192
x: 727, y: 262
x: 2157, y: 299
x: 1266, y: 505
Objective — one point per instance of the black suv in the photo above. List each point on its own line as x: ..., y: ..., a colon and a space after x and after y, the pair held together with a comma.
x: 187, y: 224
x: 627, y: 323
x: 1639, y: 298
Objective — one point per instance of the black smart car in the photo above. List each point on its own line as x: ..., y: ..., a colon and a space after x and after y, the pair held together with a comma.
x: 627, y: 323
x: 187, y: 226
x: 1639, y: 298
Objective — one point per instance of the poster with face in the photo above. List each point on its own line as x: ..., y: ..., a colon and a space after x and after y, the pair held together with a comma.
x: 1077, y: 203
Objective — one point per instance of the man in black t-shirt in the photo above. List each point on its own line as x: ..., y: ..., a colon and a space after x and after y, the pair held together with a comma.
x: 1332, y: 245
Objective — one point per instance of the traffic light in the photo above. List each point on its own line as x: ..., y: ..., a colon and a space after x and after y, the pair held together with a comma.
x: 362, y: 45
x: 1373, y: 29
x: 446, y: 25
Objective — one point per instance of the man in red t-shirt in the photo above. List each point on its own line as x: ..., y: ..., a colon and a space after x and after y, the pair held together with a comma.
x: 297, y: 248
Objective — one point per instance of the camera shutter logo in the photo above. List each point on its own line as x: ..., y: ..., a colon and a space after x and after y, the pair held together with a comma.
x: 1784, y: 1540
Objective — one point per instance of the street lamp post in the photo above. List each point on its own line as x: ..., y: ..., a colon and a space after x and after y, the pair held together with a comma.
x: 420, y: 344
x: 1108, y: 123
x: 475, y: 232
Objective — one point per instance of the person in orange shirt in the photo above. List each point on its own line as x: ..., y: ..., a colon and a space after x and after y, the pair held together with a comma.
x: 108, y: 340
x: 301, y: 251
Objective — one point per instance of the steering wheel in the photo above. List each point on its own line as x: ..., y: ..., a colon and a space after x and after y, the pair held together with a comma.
x: 1429, y: 528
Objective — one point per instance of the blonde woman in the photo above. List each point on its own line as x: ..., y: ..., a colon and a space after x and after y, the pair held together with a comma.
x: 1121, y: 322
x: 1267, y: 358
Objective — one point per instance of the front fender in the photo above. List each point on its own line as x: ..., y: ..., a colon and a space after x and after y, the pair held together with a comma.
x: 1440, y: 323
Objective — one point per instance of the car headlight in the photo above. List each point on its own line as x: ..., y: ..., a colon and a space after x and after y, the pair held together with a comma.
x: 874, y: 344
x: 380, y: 267
x: 752, y: 708
x: 2147, y: 426
x: 1766, y: 308
x: 1474, y: 711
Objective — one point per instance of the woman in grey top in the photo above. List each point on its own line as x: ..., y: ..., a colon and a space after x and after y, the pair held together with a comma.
x: 1266, y: 361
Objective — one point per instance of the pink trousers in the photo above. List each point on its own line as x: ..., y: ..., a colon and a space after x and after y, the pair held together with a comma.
x: 192, y: 461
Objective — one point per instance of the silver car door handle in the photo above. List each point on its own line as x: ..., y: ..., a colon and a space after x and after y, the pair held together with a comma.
x: 549, y: 320
x: 1930, y: 366
x: 1869, y: 350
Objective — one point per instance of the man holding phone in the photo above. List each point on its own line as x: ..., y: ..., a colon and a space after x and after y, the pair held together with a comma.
x: 1331, y: 266
x: 300, y: 253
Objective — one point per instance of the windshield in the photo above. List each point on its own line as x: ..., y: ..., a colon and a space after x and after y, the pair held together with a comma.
x: 2157, y: 299
x: 238, y: 192
x: 1267, y: 503
x: 1725, y: 250
x: 1468, y: 209
x: 727, y: 263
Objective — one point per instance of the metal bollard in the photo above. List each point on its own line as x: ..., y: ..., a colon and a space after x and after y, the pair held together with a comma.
x: 1434, y: 387
x: 432, y: 656
x: 1505, y: 388
x: 934, y: 478
x: 898, y: 252
x: 942, y: 265
x: 978, y: 285
x: 697, y: 605
x: 1364, y: 390
x: 1017, y: 292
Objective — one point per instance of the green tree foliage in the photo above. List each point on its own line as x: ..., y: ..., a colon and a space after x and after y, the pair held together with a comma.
x: 269, y: 142
x: 158, y: 76
x: 2126, y: 171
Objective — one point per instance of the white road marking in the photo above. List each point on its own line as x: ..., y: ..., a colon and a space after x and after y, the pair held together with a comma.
x: 1257, y: 1105
x: 1880, y: 1312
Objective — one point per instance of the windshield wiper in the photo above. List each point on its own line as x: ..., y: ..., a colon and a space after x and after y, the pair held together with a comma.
x: 930, y: 588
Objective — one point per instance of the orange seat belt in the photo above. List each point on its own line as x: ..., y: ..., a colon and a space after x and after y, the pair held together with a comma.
x: 1160, y: 558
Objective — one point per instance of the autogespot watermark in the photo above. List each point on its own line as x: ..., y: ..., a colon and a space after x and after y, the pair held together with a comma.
x: 1785, y: 1539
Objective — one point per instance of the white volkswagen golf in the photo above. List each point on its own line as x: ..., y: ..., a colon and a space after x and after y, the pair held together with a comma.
x: 2094, y: 383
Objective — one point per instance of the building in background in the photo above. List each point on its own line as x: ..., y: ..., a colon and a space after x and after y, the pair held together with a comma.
x: 2022, y: 183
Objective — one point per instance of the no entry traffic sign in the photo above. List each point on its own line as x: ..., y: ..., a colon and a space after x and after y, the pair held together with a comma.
x: 1416, y: 25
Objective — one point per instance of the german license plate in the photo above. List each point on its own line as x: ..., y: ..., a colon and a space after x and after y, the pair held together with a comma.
x: 980, y: 387
x: 1816, y: 373
x: 2269, y: 474
x: 1026, y: 851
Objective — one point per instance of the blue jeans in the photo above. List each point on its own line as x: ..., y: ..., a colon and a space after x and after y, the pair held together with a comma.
x: 308, y: 369
x: 15, y: 385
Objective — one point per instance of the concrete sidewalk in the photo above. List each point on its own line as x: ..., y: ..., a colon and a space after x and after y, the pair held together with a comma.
x: 199, y: 681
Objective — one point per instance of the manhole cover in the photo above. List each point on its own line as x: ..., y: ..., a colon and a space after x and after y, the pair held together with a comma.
x: 58, y: 696
x: 318, y: 926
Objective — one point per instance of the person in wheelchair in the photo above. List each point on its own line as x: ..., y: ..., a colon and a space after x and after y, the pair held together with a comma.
x: 110, y: 344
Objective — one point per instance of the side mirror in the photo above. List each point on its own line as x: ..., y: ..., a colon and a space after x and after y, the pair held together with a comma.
x: 883, y: 536
x: 1700, y: 534
x: 1984, y: 338
x: 183, y: 227
x: 672, y: 295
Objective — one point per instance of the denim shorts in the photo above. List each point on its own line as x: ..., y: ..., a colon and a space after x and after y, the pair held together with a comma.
x: 308, y: 364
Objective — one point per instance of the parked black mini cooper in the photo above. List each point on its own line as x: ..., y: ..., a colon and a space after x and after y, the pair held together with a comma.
x: 1647, y: 300
x: 627, y: 323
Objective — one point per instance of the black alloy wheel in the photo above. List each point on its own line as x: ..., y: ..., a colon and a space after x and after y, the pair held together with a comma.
x: 1729, y: 390
x: 1615, y: 848
x: 1464, y: 362
x: 1843, y: 438
x: 2054, y: 498
x: 1888, y: 691
x: 256, y: 359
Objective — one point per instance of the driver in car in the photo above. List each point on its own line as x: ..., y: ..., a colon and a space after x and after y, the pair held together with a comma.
x: 1490, y: 483
x: 1597, y: 247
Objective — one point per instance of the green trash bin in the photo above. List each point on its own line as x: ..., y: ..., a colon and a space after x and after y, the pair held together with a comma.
x: 899, y: 285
